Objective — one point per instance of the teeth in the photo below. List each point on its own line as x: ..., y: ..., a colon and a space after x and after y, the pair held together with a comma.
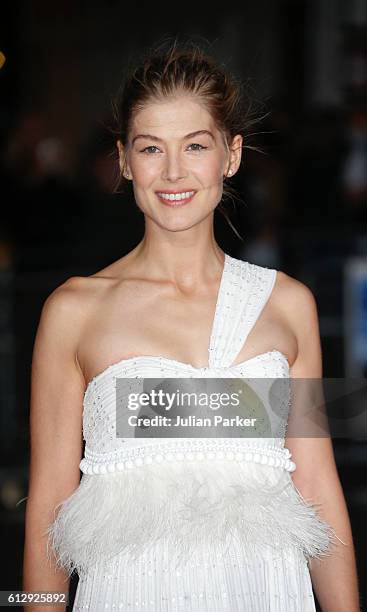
x: 176, y: 196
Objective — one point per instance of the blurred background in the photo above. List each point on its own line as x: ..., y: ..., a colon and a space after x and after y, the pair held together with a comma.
x: 304, y: 197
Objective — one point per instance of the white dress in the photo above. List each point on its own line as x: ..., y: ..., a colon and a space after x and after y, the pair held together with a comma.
x: 194, y: 524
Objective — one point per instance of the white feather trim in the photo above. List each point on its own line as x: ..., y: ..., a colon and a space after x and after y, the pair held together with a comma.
x: 206, y: 504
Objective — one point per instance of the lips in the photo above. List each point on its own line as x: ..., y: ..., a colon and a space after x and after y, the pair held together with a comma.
x: 175, y: 198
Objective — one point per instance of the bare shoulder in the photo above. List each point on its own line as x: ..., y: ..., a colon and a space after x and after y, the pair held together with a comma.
x: 63, y: 319
x: 74, y: 303
x: 76, y: 294
x: 296, y: 301
x: 67, y: 307
x: 298, y: 305
x: 68, y: 298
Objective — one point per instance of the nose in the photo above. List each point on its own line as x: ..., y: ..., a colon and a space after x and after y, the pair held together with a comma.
x: 174, y: 168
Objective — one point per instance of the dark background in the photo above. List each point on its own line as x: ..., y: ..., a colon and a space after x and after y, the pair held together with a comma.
x: 304, y: 196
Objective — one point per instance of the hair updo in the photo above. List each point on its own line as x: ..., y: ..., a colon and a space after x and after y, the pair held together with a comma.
x: 173, y: 68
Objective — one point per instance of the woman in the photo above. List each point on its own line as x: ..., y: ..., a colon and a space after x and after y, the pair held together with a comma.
x: 184, y: 523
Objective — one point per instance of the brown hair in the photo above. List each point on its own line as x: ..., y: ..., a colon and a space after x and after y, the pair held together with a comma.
x: 174, y: 67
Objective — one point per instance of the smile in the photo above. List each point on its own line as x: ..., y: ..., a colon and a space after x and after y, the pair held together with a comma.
x: 175, y: 199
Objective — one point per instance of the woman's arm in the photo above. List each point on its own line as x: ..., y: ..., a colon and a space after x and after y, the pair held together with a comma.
x: 334, y: 577
x: 57, y: 389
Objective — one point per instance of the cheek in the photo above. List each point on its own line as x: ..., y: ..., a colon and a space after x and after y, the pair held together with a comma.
x: 144, y: 173
x: 208, y: 169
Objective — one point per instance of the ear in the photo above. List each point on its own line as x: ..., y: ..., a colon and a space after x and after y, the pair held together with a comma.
x: 124, y: 167
x: 235, y: 155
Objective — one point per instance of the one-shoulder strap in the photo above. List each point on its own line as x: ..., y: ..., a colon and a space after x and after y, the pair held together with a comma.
x: 246, y: 289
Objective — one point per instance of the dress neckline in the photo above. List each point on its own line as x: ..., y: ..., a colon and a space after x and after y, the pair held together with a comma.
x: 185, y: 365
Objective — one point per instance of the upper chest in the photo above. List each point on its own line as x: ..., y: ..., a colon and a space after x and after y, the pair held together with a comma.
x: 142, y: 318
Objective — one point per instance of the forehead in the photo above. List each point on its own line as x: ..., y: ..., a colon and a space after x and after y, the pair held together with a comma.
x: 172, y: 117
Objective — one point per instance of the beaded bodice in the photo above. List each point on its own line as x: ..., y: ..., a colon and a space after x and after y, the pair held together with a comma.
x: 243, y: 292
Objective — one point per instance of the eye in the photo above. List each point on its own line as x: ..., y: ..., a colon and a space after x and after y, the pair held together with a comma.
x: 197, y: 146
x: 148, y: 149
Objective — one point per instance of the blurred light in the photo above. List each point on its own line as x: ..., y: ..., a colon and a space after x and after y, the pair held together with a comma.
x: 50, y: 154
x: 10, y: 492
x: 2, y: 59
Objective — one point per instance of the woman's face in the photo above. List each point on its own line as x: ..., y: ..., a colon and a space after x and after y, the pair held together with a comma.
x: 177, y: 158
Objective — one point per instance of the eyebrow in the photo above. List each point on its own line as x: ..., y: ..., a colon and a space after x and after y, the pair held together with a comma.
x: 156, y: 139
